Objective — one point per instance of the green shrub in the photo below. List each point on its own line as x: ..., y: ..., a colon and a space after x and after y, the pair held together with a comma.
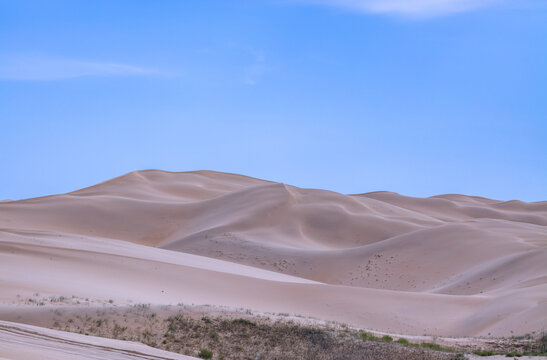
x: 387, y: 338
x: 368, y: 336
x: 483, y: 352
x: 205, y: 354
x: 432, y: 346
x: 403, y: 341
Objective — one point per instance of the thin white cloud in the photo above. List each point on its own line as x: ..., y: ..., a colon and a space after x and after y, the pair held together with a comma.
x: 412, y: 8
x: 47, y: 68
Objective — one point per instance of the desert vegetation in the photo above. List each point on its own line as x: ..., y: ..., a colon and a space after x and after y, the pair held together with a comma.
x: 210, y: 334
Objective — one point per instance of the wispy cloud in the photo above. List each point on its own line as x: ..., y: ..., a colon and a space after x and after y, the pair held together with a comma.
x: 40, y: 68
x: 410, y: 8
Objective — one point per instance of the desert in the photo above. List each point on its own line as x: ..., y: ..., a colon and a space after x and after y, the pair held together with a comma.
x: 229, y: 246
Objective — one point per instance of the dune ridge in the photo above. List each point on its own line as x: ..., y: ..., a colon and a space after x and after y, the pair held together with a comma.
x: 452, y: 265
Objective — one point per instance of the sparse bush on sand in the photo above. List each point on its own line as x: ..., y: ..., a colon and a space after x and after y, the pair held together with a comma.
x: 483, y: 352
x: 205, y: 354
x: 387, y: 338
x: 403, y: 341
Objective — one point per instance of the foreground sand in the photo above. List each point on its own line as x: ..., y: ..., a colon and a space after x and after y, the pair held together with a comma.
x: 448, y: 265
x: 26, y: 342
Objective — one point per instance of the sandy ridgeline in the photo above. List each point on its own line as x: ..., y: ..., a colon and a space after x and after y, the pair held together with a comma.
x: 450, y: 265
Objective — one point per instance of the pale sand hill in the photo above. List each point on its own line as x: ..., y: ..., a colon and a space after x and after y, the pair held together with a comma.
x: 447, y: 265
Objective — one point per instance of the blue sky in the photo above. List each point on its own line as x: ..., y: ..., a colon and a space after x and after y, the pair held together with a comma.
x: 419, y: 97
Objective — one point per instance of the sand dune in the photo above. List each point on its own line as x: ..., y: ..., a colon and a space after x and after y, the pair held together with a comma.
x: 446, y: 265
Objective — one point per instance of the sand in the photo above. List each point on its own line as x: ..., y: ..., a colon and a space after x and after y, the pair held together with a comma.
x: 26, y: 342
x: 448, y: 265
